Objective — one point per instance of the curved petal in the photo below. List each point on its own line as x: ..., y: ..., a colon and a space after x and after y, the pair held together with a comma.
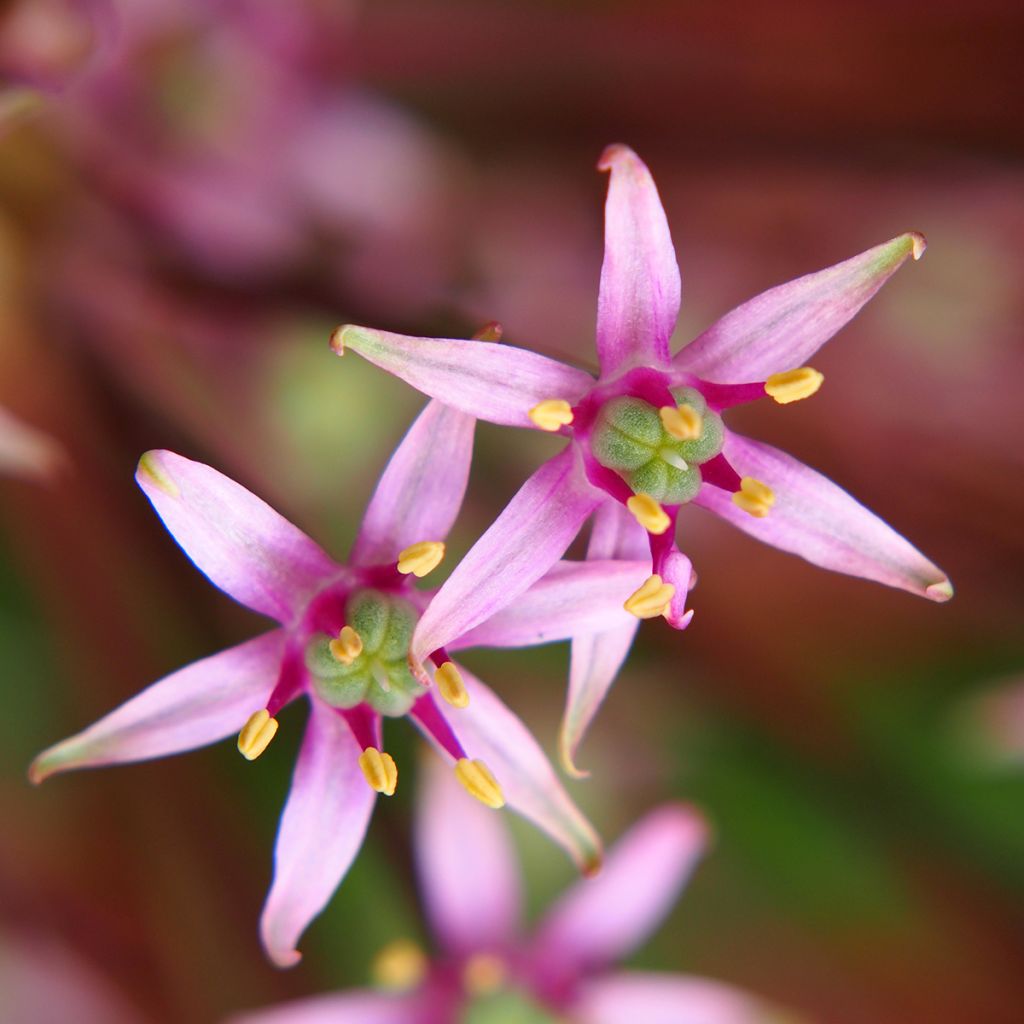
x: 354, y: 1007
x: 244, y: 546
x: 781, y: 329
x: 490, y: 731
x: 199, y: 704
x: 321, y: 831
x: 638, y: 302
x: 573, y: 598
x: 496, y: 383
x: 519, y: 547
x: 666, y: 999
x: 420, y: 494
x: 602, y: 919
x: 814, y: 518
x: 468, y: 870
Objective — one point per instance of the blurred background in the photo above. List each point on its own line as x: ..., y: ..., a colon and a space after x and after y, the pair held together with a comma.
x: 192, y: 194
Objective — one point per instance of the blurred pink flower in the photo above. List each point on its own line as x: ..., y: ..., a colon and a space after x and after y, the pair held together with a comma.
x: 648, y: 435
x: 345, y: 636
x: 486, y: 970
x: 27, y: 452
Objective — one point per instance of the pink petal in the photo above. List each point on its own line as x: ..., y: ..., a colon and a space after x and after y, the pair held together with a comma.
x: 237, y: 540
x: 468, y: 870
x: 421, y: 491
x: 321, y: 831
x: 602, y: 919
x: 819, y: 521
x: 519, y: 547
x: 492, y: 382
x: 199, y: 704
x: 28, y: 452
x: 490, y: 731
x: 666, y: 999
x: 573, y: 598
x: 598, y: 656
x: 781, y: 329
x: 355, y: 1007
x: 639, y: 298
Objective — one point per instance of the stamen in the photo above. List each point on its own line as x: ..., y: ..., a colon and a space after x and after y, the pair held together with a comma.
x: 793, y: 385
x: 478, y: 781
x: 682, y: 421
x: 551, y: 415
x: 652, y: 599
x: 673, y: 459
x: 400, y: 966
x: 347, y: 646
x: 450, y: 684
x: 483, y: 974
x: 420, y: 558
x: 754, y: 497
x: 379, y: 770
x: 648, y: 513
x: 256, y: 734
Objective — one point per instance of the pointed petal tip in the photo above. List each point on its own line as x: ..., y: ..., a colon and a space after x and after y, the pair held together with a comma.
x: 567, y: 755
x: 38, y: 772
x: 591, y: 867
x: 152, y: 471
x: 918, y: 244
x: 682, y: 621
x: 617, y: 153
x: 337, y: 339
x: 283, y: 958
x: 939, y: 592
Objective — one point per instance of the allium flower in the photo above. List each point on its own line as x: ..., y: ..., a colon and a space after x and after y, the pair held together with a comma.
x: 487, y: 971
x: 648, y: 437
x: 343, y: 642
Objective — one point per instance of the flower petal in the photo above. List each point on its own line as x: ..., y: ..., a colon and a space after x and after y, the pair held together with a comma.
x: 519, y: 547
x: 666, y: 999
x: 598, y: 656
x: 490, y: 731
x: 602, y: 919
x: 814, y: 518
x: 199, y: 704
x: 492, y: 382
x: 421, y: 491
x: 783, y: 327
x: 28, y: 452
x: 321, y: 831
x: 468, y: 870
x: 355, y: 1007
x: 638, y: 303
x: 573, y: 598
x: 244, y: 546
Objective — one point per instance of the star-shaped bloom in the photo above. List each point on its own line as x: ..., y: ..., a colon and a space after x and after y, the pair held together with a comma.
x: 343, y: 641
x: 647, y: 436
x: 489, y: 970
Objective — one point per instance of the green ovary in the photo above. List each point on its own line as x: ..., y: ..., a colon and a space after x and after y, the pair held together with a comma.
x: 380, y: 675
x: 630, y: 439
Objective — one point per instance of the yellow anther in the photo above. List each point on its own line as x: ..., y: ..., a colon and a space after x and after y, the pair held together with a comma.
x: 648, y: 513
x: 483, y: 974
x: 652, y: 599
x: 682, y: 421
x: 347, y: 646
x: 754, y: 497
x: 256, y: 734
x: 421, y: 558
x: 793, y: 385
x: 400, y: 966
x: 379, y: 770
x: 450, y: 684
x: 476, y: 777
x: 552, y: 415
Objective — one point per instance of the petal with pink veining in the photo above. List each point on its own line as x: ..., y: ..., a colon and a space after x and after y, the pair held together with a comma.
x: 782, y: 328
x: 600, y: 920
x: 199, y: 704
x: 419, y: 496
x: 490, y: 731
x: 519, y: 547
x: 244, y: 546
x: 496, y: 383
x: 814, y: 518
x: 354, y: 1007
x: 638, y: 302
x: 468, y: 870
x: 322, y: 828
x: 666, y: 999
